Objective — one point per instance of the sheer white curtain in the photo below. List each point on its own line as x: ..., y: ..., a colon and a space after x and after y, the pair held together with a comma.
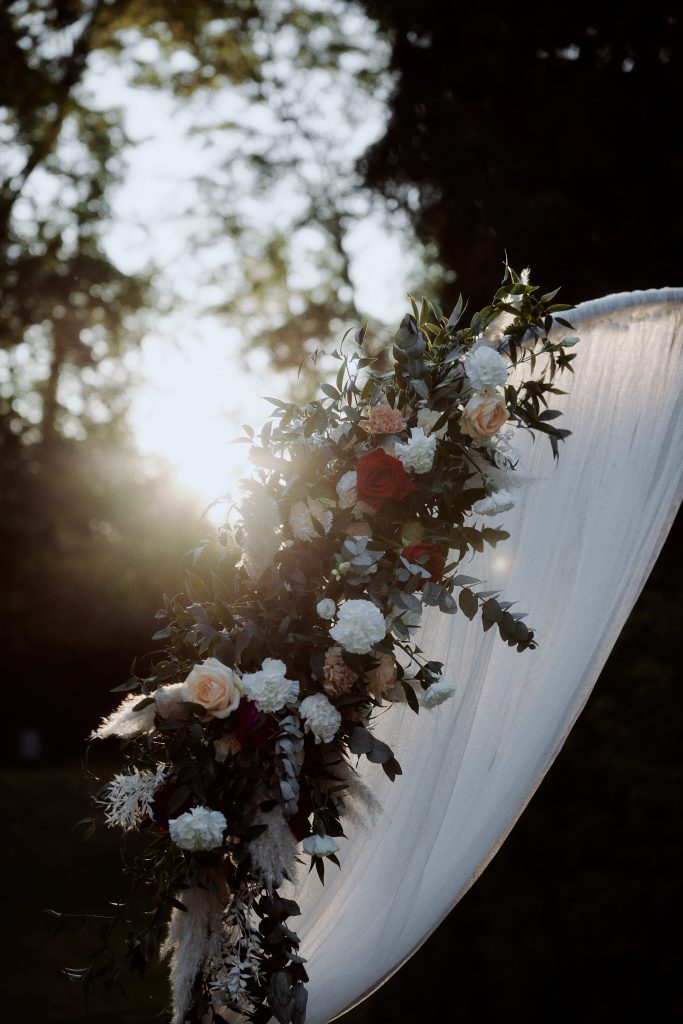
x: 585, y: 534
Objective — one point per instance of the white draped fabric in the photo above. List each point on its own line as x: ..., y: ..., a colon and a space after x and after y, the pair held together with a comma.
x: 584, y: 536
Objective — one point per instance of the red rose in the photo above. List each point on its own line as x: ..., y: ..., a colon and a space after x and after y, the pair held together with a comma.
x: 381, y: 478
x: 428, y: 556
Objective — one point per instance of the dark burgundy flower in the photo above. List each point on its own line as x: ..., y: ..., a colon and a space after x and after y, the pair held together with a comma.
x: 381, y: 478
x: 254, y: 729
x: 161, y: 804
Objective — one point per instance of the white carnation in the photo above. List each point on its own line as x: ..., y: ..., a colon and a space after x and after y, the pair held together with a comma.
x: 346, y: 490
x: 485, y: 369
x: 269, y: 688
x: 320, y: 717
x: 347, y: 496
x: 437, y: 693
x: 326, y: 609
x: 426, y: 418
x: 494, y: 504
x: 417, y: 454
x: 198, y: 829
x: 302, y: 516
x: 360, y: 625
x: 319, y: 846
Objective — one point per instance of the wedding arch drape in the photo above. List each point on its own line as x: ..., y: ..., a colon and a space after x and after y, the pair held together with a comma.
x: 584, y: 536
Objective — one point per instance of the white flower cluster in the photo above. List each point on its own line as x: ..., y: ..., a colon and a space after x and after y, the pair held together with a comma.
x: 303, y: 516
x: 505, y: 455
x: 360, y: 625
x: 347, y: 495
x: 426, y: 420
x: 319, y: 846
x: 485, y: 368
x: 327, y: 608
x: 437, y: 693
x: 269, y: 688
x: 320, y: 717
x: 198, y: 829
x: 494, y: 504
x: 346, y: 489
x: 417, y: 454
x: 128, y: 798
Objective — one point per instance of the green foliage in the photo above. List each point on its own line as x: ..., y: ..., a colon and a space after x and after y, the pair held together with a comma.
x: 533, y: 130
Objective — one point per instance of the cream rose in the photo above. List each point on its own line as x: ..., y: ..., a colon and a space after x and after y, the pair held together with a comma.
x: 382, y: 680
x: 483, y: 415
x: 215, y: 686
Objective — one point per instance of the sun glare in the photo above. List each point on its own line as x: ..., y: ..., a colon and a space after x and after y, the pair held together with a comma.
x: 192, y: 393
x: 189, y: 406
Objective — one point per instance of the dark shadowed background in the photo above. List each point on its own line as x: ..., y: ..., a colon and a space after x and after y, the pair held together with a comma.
x: 551, y: 136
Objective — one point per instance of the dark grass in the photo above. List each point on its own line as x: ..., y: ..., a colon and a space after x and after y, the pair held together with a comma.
x: 45, y: 866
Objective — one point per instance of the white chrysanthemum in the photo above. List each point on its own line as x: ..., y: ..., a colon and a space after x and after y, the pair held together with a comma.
x: 485, y: 369
x: 417, y: 454
x: 128, y: 798
x: 302, y: 516
x: 320, y: 717
x: 346, y: 490
x: 494, y: 504
x: 198, y: 829
x: 260, y: 523
x: 319, y: 846
x: 437, y: 693
x: 327, y: 608
x: 426, y: 418
x: 505, y: 455
x: 269, y: 688
x: 360, y: 625
x: 347, y: 496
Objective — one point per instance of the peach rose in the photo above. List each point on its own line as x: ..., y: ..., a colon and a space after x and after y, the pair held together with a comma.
x: 215, y: 686
x: 382, y: 679
x: 339, y: 678
x: 483, y: 415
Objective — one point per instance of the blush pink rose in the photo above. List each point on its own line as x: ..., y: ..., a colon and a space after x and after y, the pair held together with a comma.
x: 484, y: 415
x: 215, y: 686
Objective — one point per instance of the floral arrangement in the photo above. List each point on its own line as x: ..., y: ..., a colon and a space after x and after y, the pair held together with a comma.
x: 242, y: 741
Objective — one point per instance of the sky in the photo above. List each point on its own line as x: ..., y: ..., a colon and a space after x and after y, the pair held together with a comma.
x: 192, y: 392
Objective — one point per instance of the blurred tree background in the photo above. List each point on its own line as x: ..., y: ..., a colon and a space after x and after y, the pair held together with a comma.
x: 548, y: 134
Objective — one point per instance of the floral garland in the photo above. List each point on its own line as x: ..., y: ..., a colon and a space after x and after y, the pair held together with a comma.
x: 240, y: 743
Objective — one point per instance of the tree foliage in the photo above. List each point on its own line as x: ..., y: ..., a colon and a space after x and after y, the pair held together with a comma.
x: 544, y: 132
